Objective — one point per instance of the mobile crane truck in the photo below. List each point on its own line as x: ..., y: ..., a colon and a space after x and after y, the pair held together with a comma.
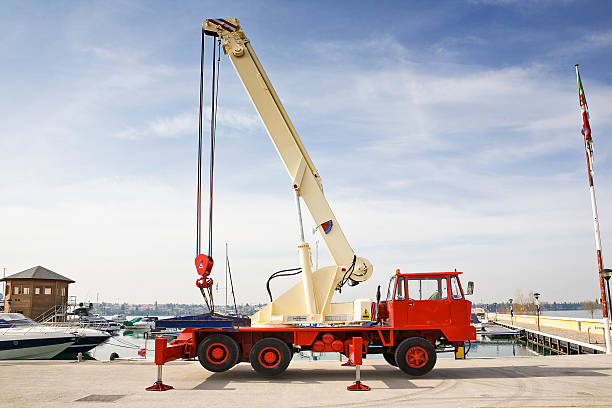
x: 422, y: 314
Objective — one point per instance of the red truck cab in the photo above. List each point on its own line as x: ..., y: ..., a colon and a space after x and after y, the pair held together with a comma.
x: 422, y: 301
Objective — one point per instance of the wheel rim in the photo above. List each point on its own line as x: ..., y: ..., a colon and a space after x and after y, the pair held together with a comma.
x: 416, y: 357
x: 217, y: 353
x: 269, y: 357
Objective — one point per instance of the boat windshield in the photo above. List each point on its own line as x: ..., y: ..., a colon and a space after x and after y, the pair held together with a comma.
x: 15, y: 320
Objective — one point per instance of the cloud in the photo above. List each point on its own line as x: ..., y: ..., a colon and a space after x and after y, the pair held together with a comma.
x: 187, y: 124
x: 429, y: 164
x: 168, y: 127
x: 589, y: 43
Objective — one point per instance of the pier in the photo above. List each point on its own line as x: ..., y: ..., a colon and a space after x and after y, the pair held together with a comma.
x: 587, y: 332
x: 554, y: 381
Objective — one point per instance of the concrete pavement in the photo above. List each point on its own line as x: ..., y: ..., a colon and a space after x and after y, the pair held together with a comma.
x: 553, y: 381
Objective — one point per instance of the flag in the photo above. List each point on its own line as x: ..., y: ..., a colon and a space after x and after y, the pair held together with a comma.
x: 584, y: 107
x: 511, y: 310
x: 586, y: 127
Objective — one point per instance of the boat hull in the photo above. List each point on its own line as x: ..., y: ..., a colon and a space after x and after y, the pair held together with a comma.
x: 33, y: 349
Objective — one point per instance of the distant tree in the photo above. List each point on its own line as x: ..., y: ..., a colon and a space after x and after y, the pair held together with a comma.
x: 524, y: 304
x: 590, y: 307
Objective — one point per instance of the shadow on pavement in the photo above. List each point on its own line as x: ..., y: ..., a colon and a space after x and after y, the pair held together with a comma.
x: 392, y: 377
x: 534, y: 371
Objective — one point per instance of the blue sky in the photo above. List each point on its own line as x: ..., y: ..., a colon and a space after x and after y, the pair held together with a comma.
x: 446, y: 134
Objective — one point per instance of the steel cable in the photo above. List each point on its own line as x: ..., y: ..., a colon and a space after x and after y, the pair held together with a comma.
x: 199, y: 192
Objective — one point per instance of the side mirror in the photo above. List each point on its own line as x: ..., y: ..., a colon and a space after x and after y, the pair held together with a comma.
x: 470, y: 288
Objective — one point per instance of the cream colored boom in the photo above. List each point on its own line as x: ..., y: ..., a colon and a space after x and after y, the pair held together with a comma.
x: 301, y: 169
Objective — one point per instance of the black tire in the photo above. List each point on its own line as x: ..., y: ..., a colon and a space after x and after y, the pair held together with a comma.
x: 415, y: 356
x: 389, y: 357
x: 218, y: 353
x: 270, y: 356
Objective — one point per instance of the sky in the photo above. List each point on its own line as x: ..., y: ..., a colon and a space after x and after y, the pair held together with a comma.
x: 447, y: 135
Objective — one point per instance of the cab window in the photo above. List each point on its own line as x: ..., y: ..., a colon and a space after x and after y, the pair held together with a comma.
x: 400, y: 289
x: 391, y: 288
x: 427, y: 289
x: 455, y: 288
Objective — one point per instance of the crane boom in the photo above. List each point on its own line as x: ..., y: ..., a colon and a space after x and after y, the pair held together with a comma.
x: 316, y: 288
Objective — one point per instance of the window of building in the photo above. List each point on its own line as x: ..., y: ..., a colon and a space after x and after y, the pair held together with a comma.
x: 427, y: 289
x: 63, y: 291
x: 16, y: 290
x: 26, y: 290
x: 37, y: 290
x: 47, y: 290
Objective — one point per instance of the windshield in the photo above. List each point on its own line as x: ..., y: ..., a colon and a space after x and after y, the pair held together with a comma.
x: 391, y: 287
x: 15, y: 320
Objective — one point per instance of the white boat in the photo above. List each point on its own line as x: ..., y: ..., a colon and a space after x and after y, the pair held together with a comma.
x: 87, y: 339
x: 145, y: 323
x: 480, y: 312
x: 22, y: 338
x: 118, y: 318
x: 82, y: 317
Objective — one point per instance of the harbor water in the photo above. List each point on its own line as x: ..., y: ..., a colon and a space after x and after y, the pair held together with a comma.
x: 127, y: 343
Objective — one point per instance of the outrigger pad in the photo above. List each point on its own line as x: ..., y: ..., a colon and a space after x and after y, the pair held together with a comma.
x: 358, y: 386
x: 159, y: 386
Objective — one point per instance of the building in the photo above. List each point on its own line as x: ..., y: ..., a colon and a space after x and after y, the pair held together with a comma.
x: 35, y: 291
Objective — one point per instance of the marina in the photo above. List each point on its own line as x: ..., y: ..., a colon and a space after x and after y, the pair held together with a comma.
x: 429, y: 242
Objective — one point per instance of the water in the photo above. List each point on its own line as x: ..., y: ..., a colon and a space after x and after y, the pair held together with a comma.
x: 580, y: 314
x: 127, y: 343
x: 478, y: 349
x: 498, y: 348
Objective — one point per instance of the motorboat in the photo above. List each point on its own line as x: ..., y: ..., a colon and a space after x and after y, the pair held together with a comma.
x: 22, y: 338
x: 87, y: 339
x: 145, y: 323
x: 480, y: 313
x: 476, y: 322
x: 118, y: 318
x: 82, y: 317
x: 141, y: 323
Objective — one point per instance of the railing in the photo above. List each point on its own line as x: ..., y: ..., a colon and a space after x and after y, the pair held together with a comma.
x: 57, y: 313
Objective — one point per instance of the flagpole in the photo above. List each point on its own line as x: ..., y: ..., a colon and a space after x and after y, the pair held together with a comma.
x: 588, y: 147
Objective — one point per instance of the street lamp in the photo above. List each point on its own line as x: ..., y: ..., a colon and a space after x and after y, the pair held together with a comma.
x: 537, y: 297
x: 511, y: 312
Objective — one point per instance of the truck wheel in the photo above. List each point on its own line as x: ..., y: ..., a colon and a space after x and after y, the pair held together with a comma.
x: 270, y: 356
x: 389, y: 357
x: 218, y: 353
x: 415, y: 356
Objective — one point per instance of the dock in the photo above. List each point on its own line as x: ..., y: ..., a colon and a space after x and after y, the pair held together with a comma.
x: 560, y: 335
x: 554, y: 381
x: 582, y: 330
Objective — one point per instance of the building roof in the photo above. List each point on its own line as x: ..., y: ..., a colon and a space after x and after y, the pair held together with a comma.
x: 38, y: 272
